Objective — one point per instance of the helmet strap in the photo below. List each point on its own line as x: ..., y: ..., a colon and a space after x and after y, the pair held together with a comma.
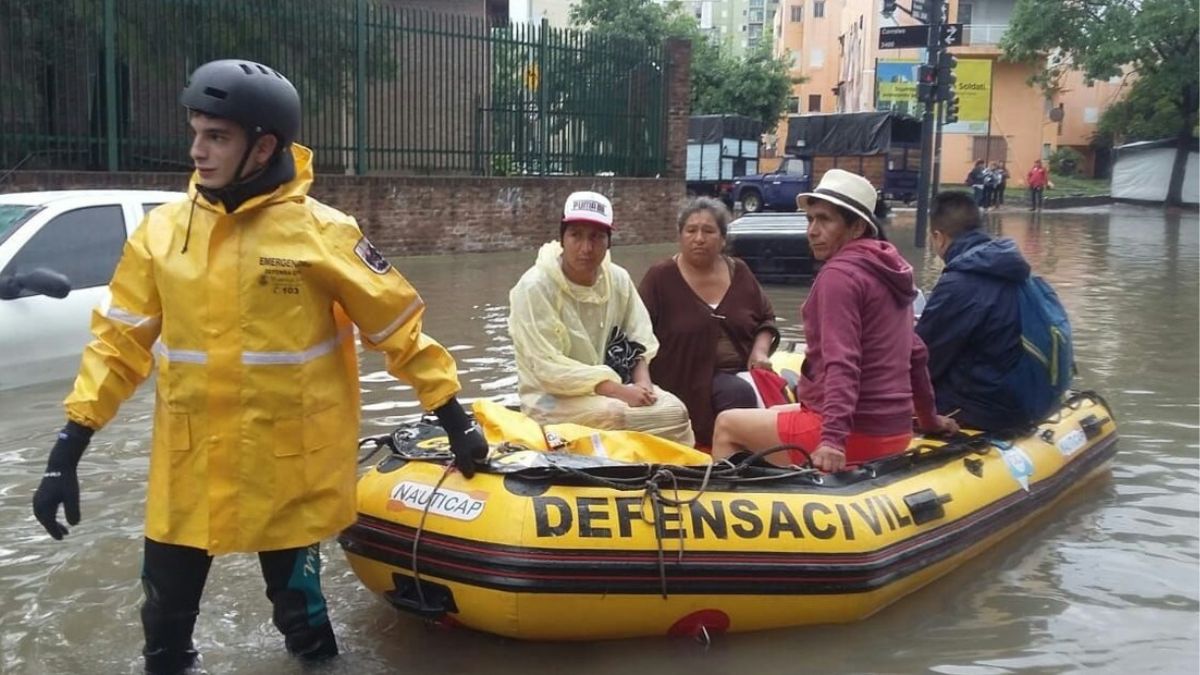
x: 252, y: 140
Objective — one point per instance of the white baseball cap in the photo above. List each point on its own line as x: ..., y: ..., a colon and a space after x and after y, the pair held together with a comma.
x: 846, y: 189
x: 588, y: 207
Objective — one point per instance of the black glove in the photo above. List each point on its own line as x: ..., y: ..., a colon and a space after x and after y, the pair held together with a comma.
x: 466, y: 442
x: 59, y: 484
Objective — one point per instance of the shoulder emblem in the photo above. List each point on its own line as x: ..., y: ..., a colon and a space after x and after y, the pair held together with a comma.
x: 371, y: 256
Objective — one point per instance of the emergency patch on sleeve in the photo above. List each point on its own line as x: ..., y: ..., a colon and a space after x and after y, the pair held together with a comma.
x: 371, y: 256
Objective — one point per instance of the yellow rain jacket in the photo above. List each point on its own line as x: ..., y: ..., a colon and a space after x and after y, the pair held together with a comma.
x: 257, y: 410
x: 560, y: 330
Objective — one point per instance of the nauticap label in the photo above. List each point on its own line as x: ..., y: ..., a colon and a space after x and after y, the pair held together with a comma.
x: 444, y: 502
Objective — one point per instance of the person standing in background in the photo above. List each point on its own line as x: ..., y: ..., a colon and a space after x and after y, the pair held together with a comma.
x: 1037, y: 179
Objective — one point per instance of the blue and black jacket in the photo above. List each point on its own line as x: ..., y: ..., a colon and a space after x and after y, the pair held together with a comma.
x: 972, y: 326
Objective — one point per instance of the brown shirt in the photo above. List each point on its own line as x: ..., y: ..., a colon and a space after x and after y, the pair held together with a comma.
x: 688, y: 331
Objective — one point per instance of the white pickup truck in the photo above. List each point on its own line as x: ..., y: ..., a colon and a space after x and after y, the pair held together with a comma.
x: 57, y: 255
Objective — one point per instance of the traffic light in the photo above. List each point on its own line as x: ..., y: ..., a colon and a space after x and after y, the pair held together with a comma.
x: 889, y: 7
x: 945, y: 76
x: 926, y: 83
x: 950, y: 112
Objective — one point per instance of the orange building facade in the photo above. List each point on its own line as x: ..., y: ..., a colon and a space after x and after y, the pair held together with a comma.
x: 1010, y: 120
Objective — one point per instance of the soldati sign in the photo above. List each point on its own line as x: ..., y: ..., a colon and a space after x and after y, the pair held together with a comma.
x: 443, y: 502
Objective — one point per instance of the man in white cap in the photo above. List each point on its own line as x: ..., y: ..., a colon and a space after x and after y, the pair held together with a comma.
x: 864, y: 367
x: 582, y: 337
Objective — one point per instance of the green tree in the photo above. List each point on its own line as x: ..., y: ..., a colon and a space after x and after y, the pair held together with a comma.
x: 756, y: 85
x: 564, y: 101
x: 1153, y: 42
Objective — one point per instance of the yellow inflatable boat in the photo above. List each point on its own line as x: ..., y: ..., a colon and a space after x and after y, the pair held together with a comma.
x: 573, y: 534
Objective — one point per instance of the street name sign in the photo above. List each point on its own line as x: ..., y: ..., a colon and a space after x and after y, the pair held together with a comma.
x: 920, y: 11
x: 903, y: 37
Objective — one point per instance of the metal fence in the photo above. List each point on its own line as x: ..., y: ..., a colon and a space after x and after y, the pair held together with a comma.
x: 94, y: 85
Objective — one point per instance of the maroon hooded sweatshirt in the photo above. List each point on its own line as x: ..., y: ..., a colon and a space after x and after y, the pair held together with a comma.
x: 864, y: 366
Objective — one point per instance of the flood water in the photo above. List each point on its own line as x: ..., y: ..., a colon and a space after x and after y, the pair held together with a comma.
x: 1108, y: 582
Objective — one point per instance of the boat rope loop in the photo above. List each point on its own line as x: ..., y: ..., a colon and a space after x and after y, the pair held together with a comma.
x: 417, y: 536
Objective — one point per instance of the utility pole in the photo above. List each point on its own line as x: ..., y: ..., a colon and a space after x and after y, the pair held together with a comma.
x: 940, y: 119
x: 927, y: 86
x: 935, y: 86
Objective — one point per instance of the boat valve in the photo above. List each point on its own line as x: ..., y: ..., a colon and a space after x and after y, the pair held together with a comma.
x: 1092, y: 425
x: 926, y: 505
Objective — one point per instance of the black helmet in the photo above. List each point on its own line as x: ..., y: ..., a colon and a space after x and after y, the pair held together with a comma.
x: 249, y: 93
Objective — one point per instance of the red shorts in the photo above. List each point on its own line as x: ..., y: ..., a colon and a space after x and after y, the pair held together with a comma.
x: 802, y: 428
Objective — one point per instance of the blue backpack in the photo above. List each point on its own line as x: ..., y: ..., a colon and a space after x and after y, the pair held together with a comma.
x: 1047, y: 360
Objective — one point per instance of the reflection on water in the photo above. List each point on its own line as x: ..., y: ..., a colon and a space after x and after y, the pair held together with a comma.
x: 1108, y: 581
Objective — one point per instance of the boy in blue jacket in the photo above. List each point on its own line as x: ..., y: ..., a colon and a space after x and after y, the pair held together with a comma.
x: 972, y: 324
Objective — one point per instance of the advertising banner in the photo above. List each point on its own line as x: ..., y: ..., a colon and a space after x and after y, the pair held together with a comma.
x: 896, y: 89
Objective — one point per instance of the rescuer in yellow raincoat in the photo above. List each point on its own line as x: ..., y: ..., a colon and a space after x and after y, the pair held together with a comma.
x: 243, y: 298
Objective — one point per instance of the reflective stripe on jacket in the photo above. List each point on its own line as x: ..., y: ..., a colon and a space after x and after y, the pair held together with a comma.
x: 257, y: 410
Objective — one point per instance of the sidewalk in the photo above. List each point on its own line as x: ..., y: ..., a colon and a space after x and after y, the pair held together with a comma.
x: 1022, y: 205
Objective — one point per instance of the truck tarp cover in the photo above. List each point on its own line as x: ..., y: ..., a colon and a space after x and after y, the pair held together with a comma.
x: 868, y: 133
x: 713, y: 128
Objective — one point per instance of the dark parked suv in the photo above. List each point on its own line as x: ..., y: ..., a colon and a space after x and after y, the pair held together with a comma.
x: 774, y: 245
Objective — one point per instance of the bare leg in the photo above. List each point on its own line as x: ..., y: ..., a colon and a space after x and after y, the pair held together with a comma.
x: 748, y: 429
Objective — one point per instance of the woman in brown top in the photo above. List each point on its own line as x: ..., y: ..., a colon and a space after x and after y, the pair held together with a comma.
x: 711, y: 318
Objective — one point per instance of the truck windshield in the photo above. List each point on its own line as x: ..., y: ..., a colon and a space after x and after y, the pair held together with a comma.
x: 12, y: 216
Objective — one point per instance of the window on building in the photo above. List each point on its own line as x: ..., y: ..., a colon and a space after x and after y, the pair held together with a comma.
x: 818, y: 9
x: 990, y: 148
x: 816, y: 58
x: 793, y: 104
x: 1091, y: 115
x: 797, y: 13
x: 756, y: 16
x: 964, y: 13
x: 814, y: 103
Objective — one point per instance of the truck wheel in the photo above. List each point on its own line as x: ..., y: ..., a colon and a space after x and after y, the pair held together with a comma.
x: 752, y: 202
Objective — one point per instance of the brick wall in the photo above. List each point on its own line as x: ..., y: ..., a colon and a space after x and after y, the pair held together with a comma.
x: 431, y: 215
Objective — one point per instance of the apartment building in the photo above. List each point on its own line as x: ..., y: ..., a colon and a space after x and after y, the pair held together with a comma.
x: 808, y: 33
x: 739, y: 25
x: 1003, y: 117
